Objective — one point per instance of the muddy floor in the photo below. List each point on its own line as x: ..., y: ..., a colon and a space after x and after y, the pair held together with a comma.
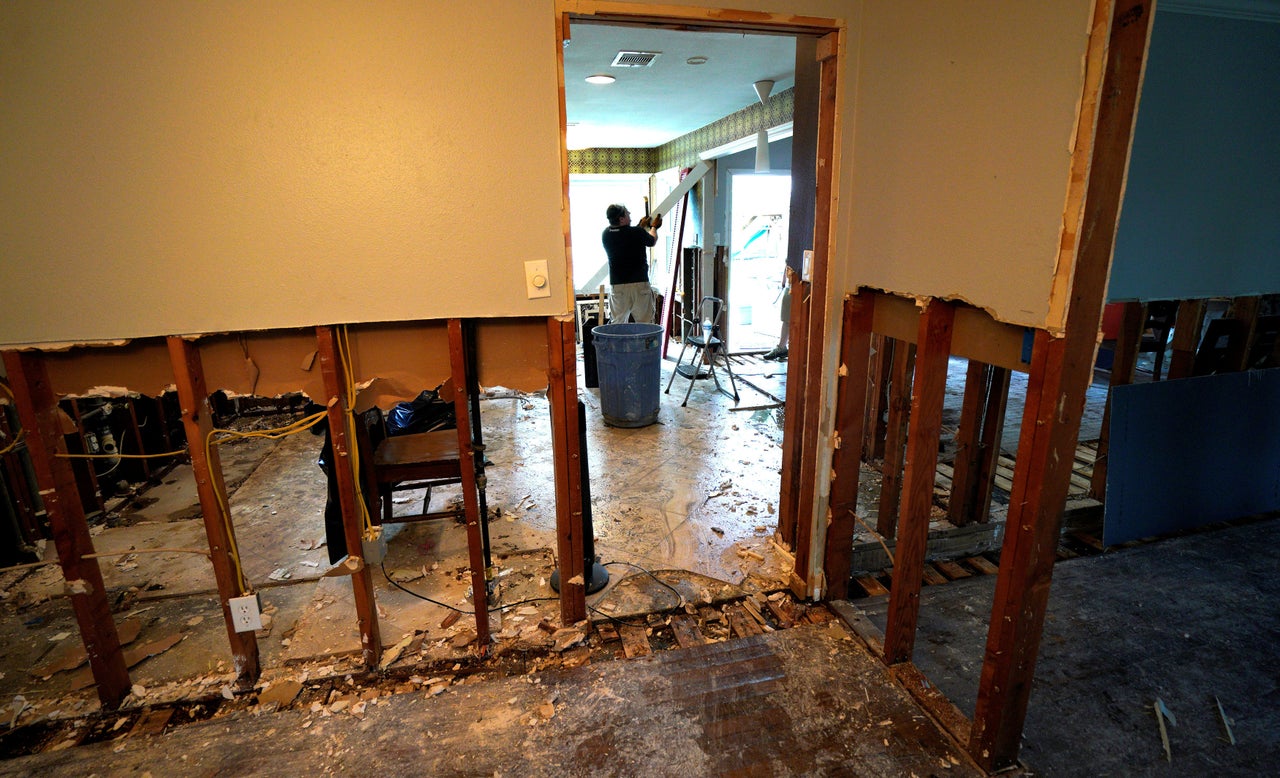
x: 683, y: 513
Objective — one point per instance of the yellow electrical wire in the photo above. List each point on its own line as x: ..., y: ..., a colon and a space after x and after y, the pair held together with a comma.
x: 183, y: 452
x: 16, y: 441
x: 304, y: 423
x: 224, y: 509
x: 353, y: 451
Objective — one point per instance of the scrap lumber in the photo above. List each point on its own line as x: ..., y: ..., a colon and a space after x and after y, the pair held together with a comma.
x: 607, y: 631
x: 932, y: 577
x: 634, y: 641
x: 686, y: 631
x: 742, y: 624
x: 753, y: 610
x: 952, y: 570
x: 152, y: 722
x: 784, y: 618
x: 871, y: 586
x: 863, y: 627
x: 982, y: 565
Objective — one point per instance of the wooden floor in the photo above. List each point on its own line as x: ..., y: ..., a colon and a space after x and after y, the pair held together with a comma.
x: 802, y: 701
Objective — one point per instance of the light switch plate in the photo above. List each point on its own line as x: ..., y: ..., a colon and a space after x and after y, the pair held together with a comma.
x: 536, y: 281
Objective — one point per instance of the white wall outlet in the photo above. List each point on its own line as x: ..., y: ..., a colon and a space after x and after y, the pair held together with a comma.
x: 806, y: 270
x: 536, y: 281
x: 375, y: 548
x: 246, y: 613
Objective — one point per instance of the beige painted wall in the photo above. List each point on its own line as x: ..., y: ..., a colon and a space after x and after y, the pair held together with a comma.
x: 200, y: 167
x: 179, y: 167
x: 963, y: 131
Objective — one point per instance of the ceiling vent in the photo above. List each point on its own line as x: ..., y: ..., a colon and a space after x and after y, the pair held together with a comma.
x: 635, y: 59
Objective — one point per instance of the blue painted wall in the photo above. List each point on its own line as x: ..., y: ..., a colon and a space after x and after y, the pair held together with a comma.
x: 1191, y: 452
x: 1201, y: 213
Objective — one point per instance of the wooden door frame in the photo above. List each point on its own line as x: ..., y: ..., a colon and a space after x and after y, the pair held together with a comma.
x: 810, y: 346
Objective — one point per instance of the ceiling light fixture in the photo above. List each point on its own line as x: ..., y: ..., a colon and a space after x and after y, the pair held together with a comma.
x: 600, y: 78
x: 699, y: 60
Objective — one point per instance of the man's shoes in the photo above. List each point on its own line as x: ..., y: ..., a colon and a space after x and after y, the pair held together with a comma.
x: 778, y: 352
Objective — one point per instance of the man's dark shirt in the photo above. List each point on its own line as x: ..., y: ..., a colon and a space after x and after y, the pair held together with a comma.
x: 628, y: 263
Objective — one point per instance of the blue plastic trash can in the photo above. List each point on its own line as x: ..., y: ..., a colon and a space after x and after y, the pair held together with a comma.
x: 628, y: 359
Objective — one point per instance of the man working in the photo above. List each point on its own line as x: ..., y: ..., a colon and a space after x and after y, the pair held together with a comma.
x: 625, y: 245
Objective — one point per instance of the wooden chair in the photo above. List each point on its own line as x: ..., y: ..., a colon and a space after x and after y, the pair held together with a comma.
x: 405, y: 462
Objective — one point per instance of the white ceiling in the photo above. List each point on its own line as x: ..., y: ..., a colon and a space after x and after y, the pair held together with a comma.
x: 649, y: 106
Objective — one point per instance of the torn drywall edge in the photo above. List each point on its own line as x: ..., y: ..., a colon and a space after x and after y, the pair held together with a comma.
x: 1080, y: 149
x: 977, y: 335
x: 410, y: 356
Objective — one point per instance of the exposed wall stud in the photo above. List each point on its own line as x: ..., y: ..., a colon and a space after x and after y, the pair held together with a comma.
x: 38, y: 412
x: 335, y: 382
x: 197, y: 421
x: 927, y: 399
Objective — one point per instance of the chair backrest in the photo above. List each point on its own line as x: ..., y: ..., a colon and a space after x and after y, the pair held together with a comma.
x: 370, y: 430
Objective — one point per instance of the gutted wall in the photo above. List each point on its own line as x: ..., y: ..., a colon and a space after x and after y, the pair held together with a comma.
x: 1200, y: 209
x: 962, y: 133
x: 201, y: 167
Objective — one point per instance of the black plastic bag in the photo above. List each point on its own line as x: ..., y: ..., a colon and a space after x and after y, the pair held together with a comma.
x: 427, y: 412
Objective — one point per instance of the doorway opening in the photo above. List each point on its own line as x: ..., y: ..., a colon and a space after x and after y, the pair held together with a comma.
x: 759, y: 218
x: 702, y: 490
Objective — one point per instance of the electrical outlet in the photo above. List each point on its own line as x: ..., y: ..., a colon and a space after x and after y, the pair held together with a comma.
x: 375, y: 548
x: 536, y: 281
x: 246, y: 613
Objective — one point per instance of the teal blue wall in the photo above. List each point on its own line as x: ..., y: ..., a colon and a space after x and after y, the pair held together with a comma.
x: 1201, y: 213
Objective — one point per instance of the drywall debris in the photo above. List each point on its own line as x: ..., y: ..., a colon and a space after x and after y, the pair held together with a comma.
x: 1226, y: 722
x: 393, y: 653
x: 281, y: 693
x: 18, y: 707
x: 1163, y: 713
x: 568, y: 637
